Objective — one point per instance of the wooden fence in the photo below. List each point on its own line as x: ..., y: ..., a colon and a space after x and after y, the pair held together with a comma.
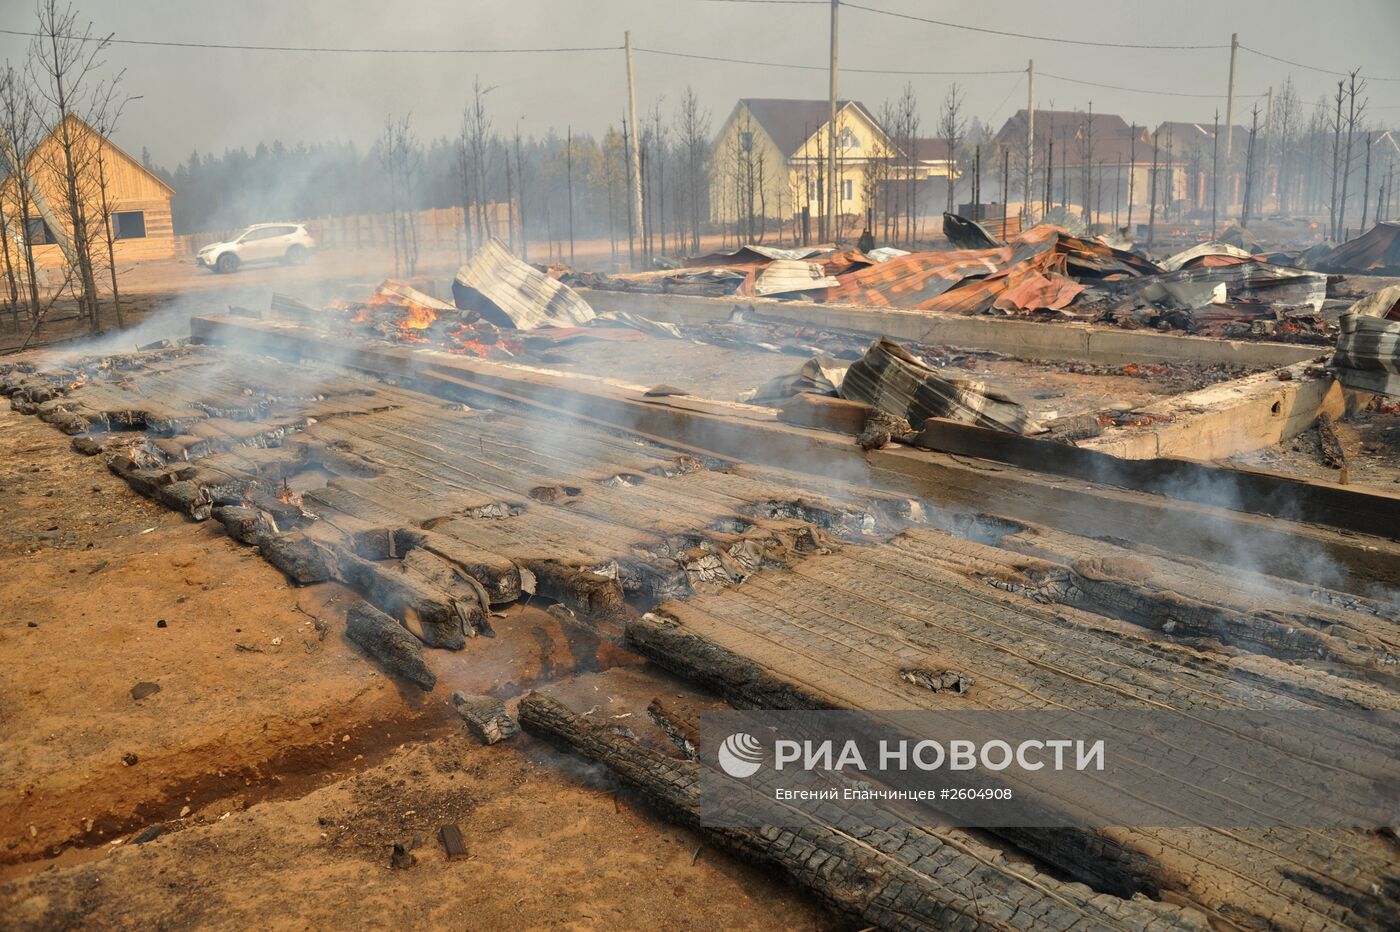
x: 438, y: 228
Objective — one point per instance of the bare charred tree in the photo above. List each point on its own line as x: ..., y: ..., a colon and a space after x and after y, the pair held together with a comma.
x: 65, y: 59
x: 660, y: 148
x: 1152, y: 191
x: 19, y: 126
x: 1086, y: 160
x: 1249, y: 167
x: 902, y: 120
x: 474, y: 151
x: 402, y: 160
x: 693, y: 131
x: 1287, y: 118
x: 951, y: 125
x: 106, y: 115
x: 1336, y: 128
x: 612, y: 169
x: 520, y: 185
x: 1132, y: 173
x: 1215, y: 175
x: 1355, y: 111
x: 1366, y: 184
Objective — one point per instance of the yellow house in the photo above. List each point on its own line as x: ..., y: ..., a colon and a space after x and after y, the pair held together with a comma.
x: 138, y: 200
x: 769, y: 164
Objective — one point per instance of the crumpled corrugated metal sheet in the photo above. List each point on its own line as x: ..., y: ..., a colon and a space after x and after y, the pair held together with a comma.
x: 893, y: 380
x: 1031, y: 268
x: 820, y: 374
x: 1377, y: 250
x: 408, y: 293
x: 754, y: 254
x: 1036, y: 291
x: 784, y: 276
x: 1368, y: 348
x: 886, y: 253
x: 1205, y: 252
x: 967, y: 234
x: 1196, y: 287
x: 512, y: 293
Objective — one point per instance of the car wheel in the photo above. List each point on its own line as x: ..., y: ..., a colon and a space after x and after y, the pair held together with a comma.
x: 228, y: 262
x: 296, y: 255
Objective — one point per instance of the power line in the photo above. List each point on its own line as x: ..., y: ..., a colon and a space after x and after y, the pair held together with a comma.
x: 774, y: 64
x: 319, y: 48
x: 1298, y: 64
x: 1023, y: 35
x: 1138, y: 90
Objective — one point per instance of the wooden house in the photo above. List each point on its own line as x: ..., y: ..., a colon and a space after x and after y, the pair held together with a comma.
x: 139, y: 200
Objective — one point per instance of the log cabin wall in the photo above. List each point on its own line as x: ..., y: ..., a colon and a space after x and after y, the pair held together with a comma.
x: 145, y: 229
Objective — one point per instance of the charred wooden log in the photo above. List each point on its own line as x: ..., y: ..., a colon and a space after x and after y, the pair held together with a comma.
x: 425, y: 610
x: 385, y: 640
x: 891, y: 876
x: 486, y: 717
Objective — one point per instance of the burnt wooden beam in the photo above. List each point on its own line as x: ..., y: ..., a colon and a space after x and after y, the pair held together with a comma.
x: 1367, y: 511
x: 385, y: 640
x: 889, y: 875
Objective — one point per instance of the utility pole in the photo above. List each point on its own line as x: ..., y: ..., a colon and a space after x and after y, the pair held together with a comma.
x: 832, y: 184
x: 1030, y: 140
x: 635, y: 152
x: 1230, y: 98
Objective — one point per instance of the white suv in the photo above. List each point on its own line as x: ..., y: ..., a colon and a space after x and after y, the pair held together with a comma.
x: 284, y: 242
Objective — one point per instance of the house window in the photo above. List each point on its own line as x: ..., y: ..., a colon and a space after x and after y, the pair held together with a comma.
x: 811, y: 190
x: 38, y: 232
x: 129, y: 224
x: 746, y: 142
x: 847, y: 189
x: 847, y: 139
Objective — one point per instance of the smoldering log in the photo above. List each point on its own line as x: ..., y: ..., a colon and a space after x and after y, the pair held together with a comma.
x: 890, y: 876
x: 486, y: 717
x: 389, y: 644
x: 425, y: 610
x: 671, y: 647
x: 1333, y: 453
x: 679, y: 728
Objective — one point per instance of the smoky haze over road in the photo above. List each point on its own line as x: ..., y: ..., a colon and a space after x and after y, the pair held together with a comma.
x: 210, y: 99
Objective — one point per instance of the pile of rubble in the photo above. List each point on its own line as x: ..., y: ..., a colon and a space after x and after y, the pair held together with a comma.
x: 1229, y: 289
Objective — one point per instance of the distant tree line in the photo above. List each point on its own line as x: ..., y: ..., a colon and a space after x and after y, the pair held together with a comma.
x: 555, y: 184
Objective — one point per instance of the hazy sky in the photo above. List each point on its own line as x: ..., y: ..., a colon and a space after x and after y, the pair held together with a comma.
x: 209, y: 99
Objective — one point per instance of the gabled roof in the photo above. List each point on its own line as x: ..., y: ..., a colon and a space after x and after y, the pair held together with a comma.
x: 930, y: 149
x: 85, y: 127
x: 1064, y: 125
x: 790, y: 123
x: 1187, y: 134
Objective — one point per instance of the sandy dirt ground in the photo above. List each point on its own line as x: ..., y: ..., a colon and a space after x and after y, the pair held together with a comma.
x: 273, y: 762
